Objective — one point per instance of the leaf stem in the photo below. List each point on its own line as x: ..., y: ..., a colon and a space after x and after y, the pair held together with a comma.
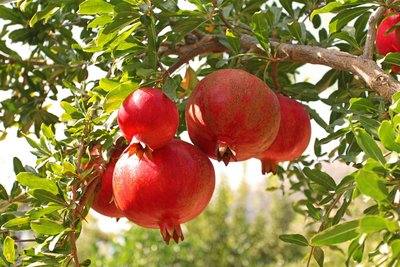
x: 321, y: 227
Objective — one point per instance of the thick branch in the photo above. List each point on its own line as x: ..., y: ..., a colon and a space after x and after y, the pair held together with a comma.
x: 371, y: 34
x: 365, y: 68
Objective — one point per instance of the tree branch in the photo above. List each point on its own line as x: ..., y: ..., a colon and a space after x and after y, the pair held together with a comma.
x: 371, y: 34
x: 367, y: 69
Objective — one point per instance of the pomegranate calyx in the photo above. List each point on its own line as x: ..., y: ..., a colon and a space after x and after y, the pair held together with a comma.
x: 173, y: 230
x: 225, y: 153
x: 139, y: 149
x: 269, y: 166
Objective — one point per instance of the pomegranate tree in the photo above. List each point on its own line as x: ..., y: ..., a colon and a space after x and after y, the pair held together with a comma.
x: 232, y: 115
x: 388, y: 40
x: 171, y: 188
x: 148, y: 119
x: 293, y: 136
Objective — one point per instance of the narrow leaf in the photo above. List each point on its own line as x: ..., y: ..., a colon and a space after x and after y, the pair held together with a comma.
x: 368, y: 145
x: 294, y: 239
x: 336, y: 234
x: 320, y: 178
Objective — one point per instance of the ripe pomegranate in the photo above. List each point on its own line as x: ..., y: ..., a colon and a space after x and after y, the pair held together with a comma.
x: 388, y: 42
x: 232, y: 115
x: 103, y: 199
x: 172, y: 188
x: 148, y: 119
x: 293, y: 136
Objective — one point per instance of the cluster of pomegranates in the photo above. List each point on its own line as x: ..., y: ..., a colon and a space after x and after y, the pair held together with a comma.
x: 388, y: 36
x: 160, y: 182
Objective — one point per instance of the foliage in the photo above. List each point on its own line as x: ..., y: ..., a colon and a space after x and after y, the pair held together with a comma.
x: 134, y: 43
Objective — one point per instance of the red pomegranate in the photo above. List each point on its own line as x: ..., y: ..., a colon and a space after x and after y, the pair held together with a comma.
x: 172, y: 188
x: 387, y: 42
x: 293, y: 136
x: 232, y: 115
x: 103, y: 200
x: 148, y: 116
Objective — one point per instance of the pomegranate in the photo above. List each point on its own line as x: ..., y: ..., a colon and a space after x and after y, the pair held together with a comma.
x: 103, y: 200
x: 388, y: 42
x: 293, y: 136
x: 172, y: 188
x: 232, y: 115
x: 148, y: 119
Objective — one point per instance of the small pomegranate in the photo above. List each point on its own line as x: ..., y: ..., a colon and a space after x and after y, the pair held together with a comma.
x: 232, y: 115
x: 148, y: 119
x: 172, y: 188
x: 103, y: 200
x: 293, y: 136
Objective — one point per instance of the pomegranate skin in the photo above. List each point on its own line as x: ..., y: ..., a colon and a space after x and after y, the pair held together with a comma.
x: 232, y: 115
x: 171, y: 188
x: 103, y: 200
x: 293, y: 136
x: 147, y: 115
x: 388, y: 42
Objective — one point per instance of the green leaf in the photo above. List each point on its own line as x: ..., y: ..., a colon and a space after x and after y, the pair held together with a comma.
x: 117, y: 95
x: 34, y: 182
x: 336, y: 234
x: 47, y: 131
x: 91, y: 7
x: 326, y: 9
x: 46, y: 196
x: 321, y: 178
x: 261, y: 29
x: 388, y: 136
x: 3, y: 193
x: 319, y: 256
x: 345, y: 16
x: 17, y: 164
x: 45, y: 14
x: 46, y: 227
x: 371, y: 224
x: 371, y: 185
x: 297, y: 30
x: 17, y: 224
x: 9, y: 14
x: 170, y: 87
x: 287, y: 5
x: 9, y: 249
x: 152, y: 45
x: 363, y: 105
x: 368, y: 145
x: 296, y: 239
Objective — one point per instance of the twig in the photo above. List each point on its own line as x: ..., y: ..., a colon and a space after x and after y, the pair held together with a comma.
x: 29, y: 62
x: 321, y: 227
x: 24, y: 240
x: 81, y: 151
x: 371, y: 34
